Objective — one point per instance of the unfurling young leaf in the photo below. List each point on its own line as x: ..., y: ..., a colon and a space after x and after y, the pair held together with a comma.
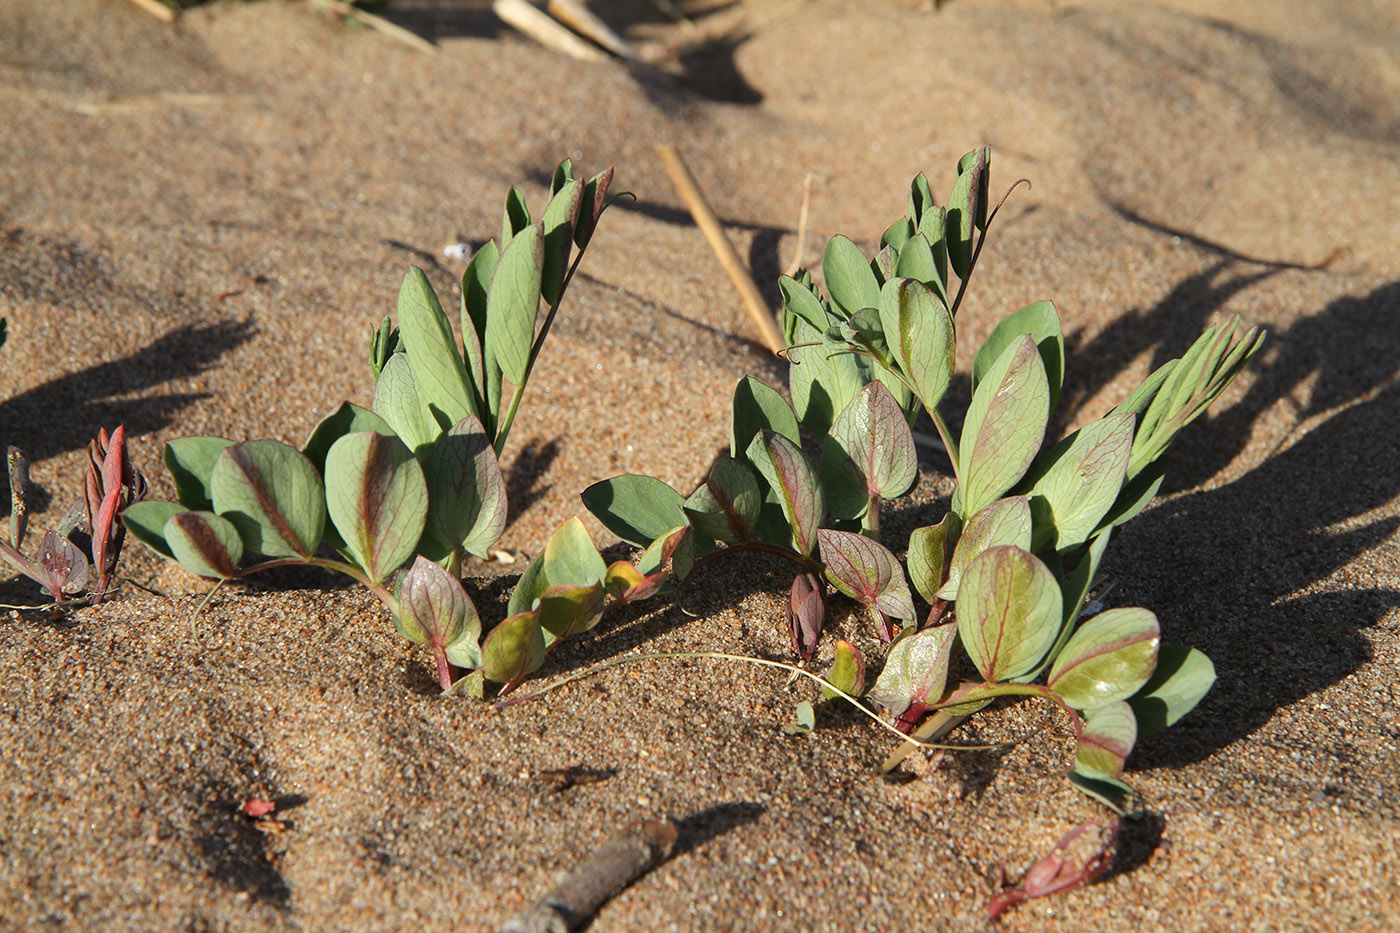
x: 792, y: 478
x: 273, y: 496
x: 61, y: 568
x: 1005, y: 425
x: 806, y: 611
x: 1009, y: 612
x: 514, y: 649
x: 377, y: 499
x: 866, y: 571
x: 1108, y: 659
x: 847, y: 671
x: 868, y: 455
x: 967, y: 209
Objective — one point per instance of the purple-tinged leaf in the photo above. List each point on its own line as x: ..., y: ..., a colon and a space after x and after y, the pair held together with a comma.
x: 466, y: 492
x: 1105, y: 740
x: 513, y: 649
x: 966, y: 209
x: 61, y: 567
x: 1005, y: 521
x: 595, y: 200
x: 434, y: 609
x: 673, y: 553
x: 558, y: 221
x: 1009, y: 611
x: 1108, y: 659
x: 566, y: 609
x: 273, y: 496
x: 866, y: 571
x: 726, y: 507
x: 930, y: 548
x: 347, y: 419
x: 377, y: 499
x: 204, y: 544
x: 869, y: 453
x: 806, y: 611
x: 791, y: 476
x: 916, y: 671
x: 1183, y: 676
x: 847, y: 671
x: 1005, y: 425
x: 1081, y: 480
x: 919, y: 331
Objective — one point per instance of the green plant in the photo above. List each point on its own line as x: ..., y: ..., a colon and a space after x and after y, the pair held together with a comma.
x: 111, y: 485
x: 396, y: 495
x: 1007, y: 572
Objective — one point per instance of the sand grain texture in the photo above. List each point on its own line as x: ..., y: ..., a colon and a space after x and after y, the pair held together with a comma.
x: 200, y: 224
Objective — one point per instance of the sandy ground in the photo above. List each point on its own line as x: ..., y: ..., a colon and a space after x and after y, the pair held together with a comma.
x: 199, y: 225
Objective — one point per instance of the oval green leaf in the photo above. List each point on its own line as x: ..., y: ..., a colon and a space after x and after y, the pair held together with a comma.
x: 398, y: 401
x: 1105, y: 741
x: 726, y: 506
x: 377, y: 499
x: 347, y: 419
x: 466, y: 491
x: 1005, y: 425
x: 146, y: 522
x: 273, y: 496
x: 869, y: 454
x: 916, y: 670
x: 434, y: 609
x: 204, y: 544
x: 929, y: 550
x: 190, y: 461
x: 849, y: 279
x: 432, y: 351
x: 1107, y: 659
x: 571, y: 558
x: 1009, y: 611
x: 638, y: 509
x: 566, y: 610
x: 919, y: 331
x: 1041, y: 321
x: 866, y: 571
x: 1005, y: 521
x: 759, y: 407
x: 513, y: 649
x: 1081, y: 480
x: 793, y: 479
x: 514, y: 302
x: 1183, y: 676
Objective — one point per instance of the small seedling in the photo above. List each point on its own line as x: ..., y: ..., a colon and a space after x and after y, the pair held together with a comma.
x: 61, y: 567
x: 1006, y: 572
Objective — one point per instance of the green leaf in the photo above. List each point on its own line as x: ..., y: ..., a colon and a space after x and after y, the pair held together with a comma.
x: 466, y: 491
x: 930, y: 548
x: 799, y: 300
x: 513, y: 649
x: 847, y: 671
x: 1110, y: 792
x: 435, y: 610
x: 672, y: 554
x: 897, y: 234
x: 529, y: 588
x: 757, y: 407
x: 933, y: 227
x: 146, y: 521
x: 978, y: 161
x: 919, y: 331
x: 273, y: 496
x: 805, y: 719
x: 1005, y: 425
x: 1074, y: 591
x: 1109, y: 658
x: 869, y: 454
x: 190, y: 461
x: 866, y: 571
x: 1009, y: 611
x: 1005, y: 521
x: 398, y: 401
x: 558, y: 224
x: 377, y: 499
x: 438, y: 368
x: 966, y: 210
x: 916, y: 670
x: 790, y: 475
x: 347, y: 419
x: 485, y: 374
x: 1080, y: 481
x: 514, y: 302
x: 1106, y: 741
x: 637, y: 509
x: 566, y: 610
x: 570, y: 556
x: 823, y: 378
x: 383, y: 342
x: 1136, y: 494
x: 917, y: 261
x: 1041, y: 321
x: 1183, y: 676
x: 204, y: 544
x: 726, y: 506
x: 516, y: 216
x: 849, y: 280
x: 920, y: 198
x: 883, y: 265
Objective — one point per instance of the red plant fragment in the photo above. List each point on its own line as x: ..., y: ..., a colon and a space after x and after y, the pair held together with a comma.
x: 1083, y: 854
x: 257, y: 807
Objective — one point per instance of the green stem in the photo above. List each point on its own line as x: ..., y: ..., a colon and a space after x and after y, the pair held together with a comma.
x: 947, y: 437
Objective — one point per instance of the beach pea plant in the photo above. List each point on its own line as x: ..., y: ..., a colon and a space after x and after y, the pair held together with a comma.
x: 1006, y: 574
x: 396, y: 495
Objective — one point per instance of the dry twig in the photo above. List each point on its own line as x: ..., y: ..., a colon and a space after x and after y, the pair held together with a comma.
x: 156, y: 9
x: 578, y: 17
x: 538, y: 25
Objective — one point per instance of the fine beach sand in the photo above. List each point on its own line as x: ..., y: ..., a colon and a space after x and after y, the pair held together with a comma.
x: 200, y: 223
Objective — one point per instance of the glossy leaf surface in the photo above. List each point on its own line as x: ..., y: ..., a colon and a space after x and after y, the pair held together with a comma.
x: 1107, y: 659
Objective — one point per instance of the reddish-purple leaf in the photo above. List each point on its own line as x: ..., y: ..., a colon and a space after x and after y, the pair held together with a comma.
x: 378, y: 500
x: 204, y: 543
x: 806, y: 611
x: 790, y: 474
x: 866, y: 571
x: 726, y: 507
x: 1083, y: 854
